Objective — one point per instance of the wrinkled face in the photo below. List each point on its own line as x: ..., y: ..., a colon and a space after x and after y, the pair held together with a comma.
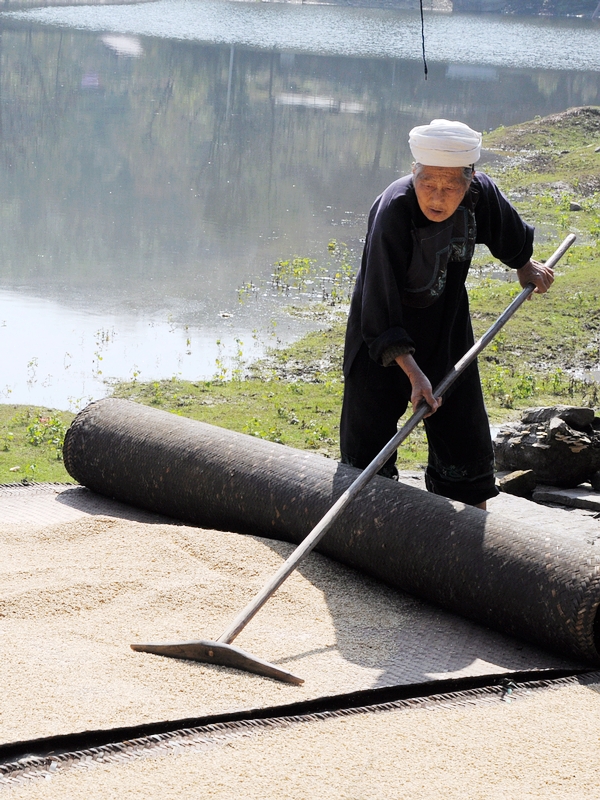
x: 439, y: 190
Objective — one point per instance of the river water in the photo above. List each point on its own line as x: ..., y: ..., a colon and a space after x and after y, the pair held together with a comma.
x: 156, y: 158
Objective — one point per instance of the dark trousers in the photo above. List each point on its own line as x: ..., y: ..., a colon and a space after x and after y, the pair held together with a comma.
x: 461, y: 457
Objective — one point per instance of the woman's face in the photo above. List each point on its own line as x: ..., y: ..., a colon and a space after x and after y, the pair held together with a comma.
x: 439, y: 190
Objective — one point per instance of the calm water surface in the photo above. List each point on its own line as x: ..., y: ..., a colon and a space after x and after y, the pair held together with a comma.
x: 154, y: 158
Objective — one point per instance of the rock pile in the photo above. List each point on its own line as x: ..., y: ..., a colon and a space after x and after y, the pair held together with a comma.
x: 560, y: 444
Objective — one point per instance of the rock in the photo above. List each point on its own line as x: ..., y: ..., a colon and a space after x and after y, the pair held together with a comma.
x: 576, y: 416
x: 595, y: 481
x: 575, y: 206
x: 579, y: 497
x: 597, y: 150
x: 521, y: 482
x: 547, y: 442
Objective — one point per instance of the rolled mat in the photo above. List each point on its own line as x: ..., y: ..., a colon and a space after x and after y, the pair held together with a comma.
x: 543, y: 587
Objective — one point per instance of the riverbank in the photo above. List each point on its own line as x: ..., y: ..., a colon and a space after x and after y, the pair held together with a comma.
x: 548, y: 353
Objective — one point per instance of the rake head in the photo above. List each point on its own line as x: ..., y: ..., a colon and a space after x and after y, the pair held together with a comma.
x: 226, y: 655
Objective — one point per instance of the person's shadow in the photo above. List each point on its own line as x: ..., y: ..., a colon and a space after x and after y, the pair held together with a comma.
x: 417, y: 541
x: 409, y: 639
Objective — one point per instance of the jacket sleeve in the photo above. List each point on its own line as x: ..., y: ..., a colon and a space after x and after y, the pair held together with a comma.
x: 499, y: 226
x: 387, y: 253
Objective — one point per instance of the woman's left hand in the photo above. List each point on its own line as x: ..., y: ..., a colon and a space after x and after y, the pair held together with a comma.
x: 537, y: 273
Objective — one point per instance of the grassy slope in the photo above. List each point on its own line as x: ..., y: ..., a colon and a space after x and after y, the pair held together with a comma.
x: 547, y: 165
x: 540, y: 358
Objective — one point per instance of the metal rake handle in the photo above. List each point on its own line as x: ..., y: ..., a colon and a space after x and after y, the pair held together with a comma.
x: 321, y: 528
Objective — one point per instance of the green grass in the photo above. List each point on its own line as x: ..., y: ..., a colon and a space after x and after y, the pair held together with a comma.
x: 31, y: 444
x: 294, y: 396
x: 553, y: 148
x: 545, y: 350
x: 302, y: 413
x: 554, y: 340
x: 548, y: 163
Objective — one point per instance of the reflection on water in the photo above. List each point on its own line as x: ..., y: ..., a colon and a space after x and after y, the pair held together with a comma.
x: 123, y: 45
x: 338, y: 30
x: 59, y: 357
x: 145, y: 179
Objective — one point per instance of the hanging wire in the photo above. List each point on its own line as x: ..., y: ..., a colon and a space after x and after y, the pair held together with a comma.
x: 423, y: 40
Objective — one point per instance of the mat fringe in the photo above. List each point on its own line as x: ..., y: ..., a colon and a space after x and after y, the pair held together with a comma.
x: 504, y: 689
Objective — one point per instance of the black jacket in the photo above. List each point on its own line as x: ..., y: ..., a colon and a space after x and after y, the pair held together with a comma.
x: 410, y: 289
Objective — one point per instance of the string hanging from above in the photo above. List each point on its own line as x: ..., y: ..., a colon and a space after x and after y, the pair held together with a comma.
x: 423, y: 39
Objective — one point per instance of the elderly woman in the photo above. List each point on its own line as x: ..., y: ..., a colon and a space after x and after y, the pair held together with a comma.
x: 409, y: 317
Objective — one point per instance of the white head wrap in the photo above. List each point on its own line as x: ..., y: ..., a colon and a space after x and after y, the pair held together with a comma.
x: 445, y: 144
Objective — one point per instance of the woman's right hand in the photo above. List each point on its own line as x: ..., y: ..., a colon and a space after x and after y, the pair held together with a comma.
x: 421, y: 386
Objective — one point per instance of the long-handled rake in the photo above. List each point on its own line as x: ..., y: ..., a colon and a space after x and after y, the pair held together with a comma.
x: 221, y: 651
